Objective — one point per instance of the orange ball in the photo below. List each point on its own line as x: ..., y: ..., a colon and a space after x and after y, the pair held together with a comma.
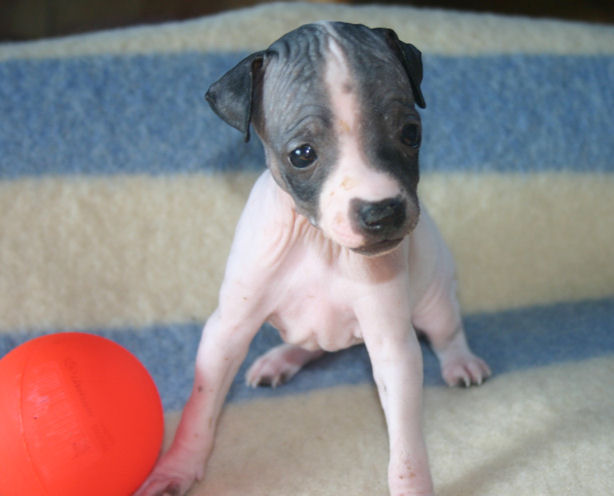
x: 79, y: 415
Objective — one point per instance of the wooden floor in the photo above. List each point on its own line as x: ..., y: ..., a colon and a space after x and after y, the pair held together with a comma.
x: 31, y: 19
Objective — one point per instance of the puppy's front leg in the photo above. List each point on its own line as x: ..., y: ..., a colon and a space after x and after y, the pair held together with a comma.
x: 221, y: 351
x: 396, y: 359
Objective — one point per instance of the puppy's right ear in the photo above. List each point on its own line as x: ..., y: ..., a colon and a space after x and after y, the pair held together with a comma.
x: 231, y: 97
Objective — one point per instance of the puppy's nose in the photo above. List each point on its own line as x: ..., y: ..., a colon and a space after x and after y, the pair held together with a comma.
x: 380, y: 218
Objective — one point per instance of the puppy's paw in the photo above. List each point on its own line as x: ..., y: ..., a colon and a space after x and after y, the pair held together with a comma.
x: 279, y: 365
x: 272, y: 369
x: 162, y: 488
x: 170, y: 478
x: 464, y: 369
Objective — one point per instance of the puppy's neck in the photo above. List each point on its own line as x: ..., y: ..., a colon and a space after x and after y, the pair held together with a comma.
x: 292, y: 220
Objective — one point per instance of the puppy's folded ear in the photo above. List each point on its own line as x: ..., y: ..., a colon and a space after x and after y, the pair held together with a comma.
x: 232, y: 96
x: 410, y: 57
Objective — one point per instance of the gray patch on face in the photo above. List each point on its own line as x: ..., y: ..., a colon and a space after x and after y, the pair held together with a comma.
x: 295, y: 110
x: 386, y: 101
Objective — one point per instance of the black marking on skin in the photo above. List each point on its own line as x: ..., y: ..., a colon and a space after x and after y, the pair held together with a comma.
x: 386, y: 102
x: 293, y: 94
x: 294, y: 91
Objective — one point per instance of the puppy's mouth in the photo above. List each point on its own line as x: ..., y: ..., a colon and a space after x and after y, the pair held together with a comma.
x: 378, y: 248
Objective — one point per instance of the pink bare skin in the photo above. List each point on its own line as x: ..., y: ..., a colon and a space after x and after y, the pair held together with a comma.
x: 311, y: 279
x: 339, y: 298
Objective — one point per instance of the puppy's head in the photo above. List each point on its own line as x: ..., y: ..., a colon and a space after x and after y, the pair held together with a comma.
x: 334, y: 105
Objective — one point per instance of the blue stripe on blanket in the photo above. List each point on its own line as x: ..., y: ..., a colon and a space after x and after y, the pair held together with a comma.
x: 146, y: 114
x: 509, y: 340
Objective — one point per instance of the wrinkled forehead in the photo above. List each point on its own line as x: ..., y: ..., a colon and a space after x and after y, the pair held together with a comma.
x: 296, y: 80
x: 368, y: 56
x: 375, y: 69
x: 294, y: 76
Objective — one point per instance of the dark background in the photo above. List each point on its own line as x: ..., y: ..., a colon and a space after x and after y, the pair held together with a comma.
x: 32, y: 19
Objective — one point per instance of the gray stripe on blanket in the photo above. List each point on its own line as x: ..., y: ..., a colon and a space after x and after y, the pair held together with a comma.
x: 509, y: 340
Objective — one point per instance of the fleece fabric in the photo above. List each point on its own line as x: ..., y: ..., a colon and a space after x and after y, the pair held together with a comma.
x: 120, y: 190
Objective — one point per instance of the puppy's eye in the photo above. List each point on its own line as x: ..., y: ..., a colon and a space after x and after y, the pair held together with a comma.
x: 410, y: 135
x: 303, y: 156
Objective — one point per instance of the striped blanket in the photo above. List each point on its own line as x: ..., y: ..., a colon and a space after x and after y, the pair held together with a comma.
x: 120, y: 190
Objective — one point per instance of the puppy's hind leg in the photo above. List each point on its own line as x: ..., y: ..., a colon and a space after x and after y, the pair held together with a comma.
x: 279, y: 365
x: 440, y: 319
x: 459, y: 366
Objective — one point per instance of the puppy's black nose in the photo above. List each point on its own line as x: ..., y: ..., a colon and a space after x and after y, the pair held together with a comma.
x: 382, y: 218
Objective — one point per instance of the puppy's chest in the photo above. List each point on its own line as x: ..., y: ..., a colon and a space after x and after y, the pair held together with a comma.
x: 313, y: 302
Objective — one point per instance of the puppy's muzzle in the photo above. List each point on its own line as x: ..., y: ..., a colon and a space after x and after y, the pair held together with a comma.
x: 382, y: 223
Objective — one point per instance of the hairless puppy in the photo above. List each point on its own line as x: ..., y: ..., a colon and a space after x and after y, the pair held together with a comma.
x: 334, y: 247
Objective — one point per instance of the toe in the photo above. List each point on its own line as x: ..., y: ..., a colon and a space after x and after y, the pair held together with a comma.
x: 476, y: 373
x: 173, y: 489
